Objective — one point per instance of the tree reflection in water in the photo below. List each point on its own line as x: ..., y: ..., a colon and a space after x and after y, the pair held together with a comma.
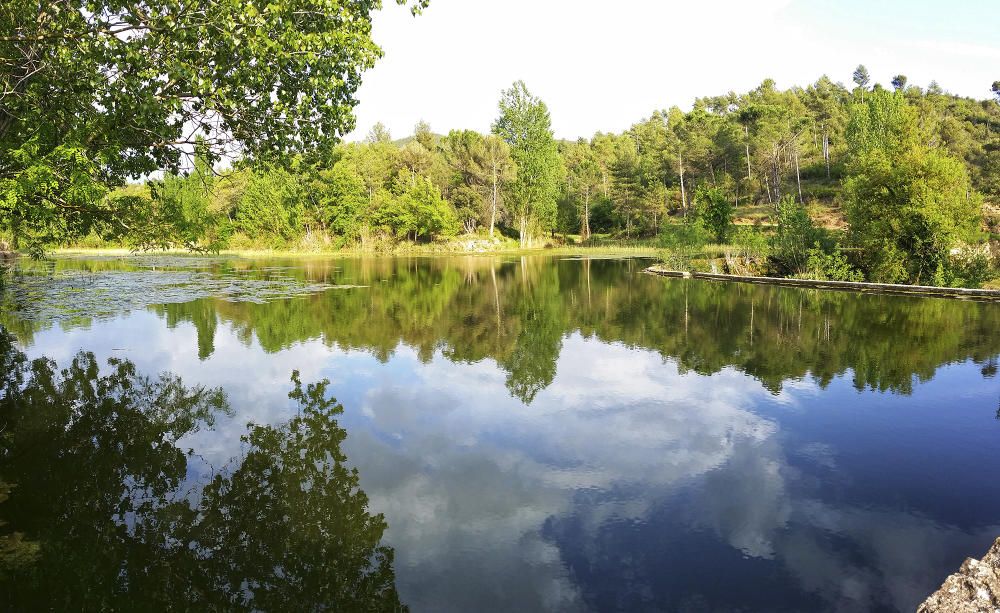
x: 518, y: 311
x: 97, y: 510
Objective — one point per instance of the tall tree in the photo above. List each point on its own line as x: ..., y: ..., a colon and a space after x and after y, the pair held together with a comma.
x: 378, y: 134
x: 899, y: 82
x: 861, y: 79
x: 423, y: 135
x: 524, y: 124
x: 501, y: 171
x: 482, y: 167
x: 583, y: 178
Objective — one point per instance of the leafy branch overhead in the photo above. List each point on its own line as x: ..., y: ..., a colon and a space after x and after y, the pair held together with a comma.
x: 108, y: 90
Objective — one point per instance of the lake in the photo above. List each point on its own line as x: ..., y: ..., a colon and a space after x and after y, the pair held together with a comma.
x: 509, y: 434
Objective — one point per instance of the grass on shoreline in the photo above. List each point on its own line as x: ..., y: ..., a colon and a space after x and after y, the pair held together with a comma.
x: 413, y: 250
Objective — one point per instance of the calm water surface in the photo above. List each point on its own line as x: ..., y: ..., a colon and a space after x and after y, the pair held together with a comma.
x: 511, y: 434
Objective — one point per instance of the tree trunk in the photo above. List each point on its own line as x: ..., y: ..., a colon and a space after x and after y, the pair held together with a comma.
x: 826, y: 152
x: 746, y: 130
x: 798, y: 177
x: 493, y: 211
x: 680, y: 169
x: 776, y: 177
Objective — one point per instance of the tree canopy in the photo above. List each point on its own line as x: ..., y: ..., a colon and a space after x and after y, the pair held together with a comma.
x: 95, y: 92
x: 524, y: 124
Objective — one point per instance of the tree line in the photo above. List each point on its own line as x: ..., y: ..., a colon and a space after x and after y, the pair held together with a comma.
x: 909, y: 170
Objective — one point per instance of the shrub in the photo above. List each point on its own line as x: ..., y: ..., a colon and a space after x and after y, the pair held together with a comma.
x: 748, y: 255
x: 830, y: 266
x: 715, y: 210
x: 794, y: 237
x: 682, y: 242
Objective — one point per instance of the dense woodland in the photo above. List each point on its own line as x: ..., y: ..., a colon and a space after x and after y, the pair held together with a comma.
x: 901, y: 178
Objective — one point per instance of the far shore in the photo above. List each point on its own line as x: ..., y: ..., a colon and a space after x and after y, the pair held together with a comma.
x: 990, y: 293
x: 854, y: 286
x: 429, y: 250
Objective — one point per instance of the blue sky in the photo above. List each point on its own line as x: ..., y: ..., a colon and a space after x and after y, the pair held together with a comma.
x: 604, y: 65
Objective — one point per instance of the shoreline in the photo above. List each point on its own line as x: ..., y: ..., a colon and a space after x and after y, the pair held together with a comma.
x: 650, y: 252
x: 963, y: 293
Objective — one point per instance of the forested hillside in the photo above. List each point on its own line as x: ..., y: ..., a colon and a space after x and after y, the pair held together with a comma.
x: 757, y: 147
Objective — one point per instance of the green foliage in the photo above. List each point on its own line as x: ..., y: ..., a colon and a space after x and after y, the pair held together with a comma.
x: 830, y: 266
x: 481, y: 170
x: 967, y: 268
x: 271, y: 81
x: 583, y: 181
x: 860, y: 76
x: 752, y: 149
x: 794, y: 236
x: 419, y: 211
x: 907, y: 205
x: 749, y: 253
x: 683, y: 242
x: 184, y: 204
x: 270, y: 207
x: 342, y: 199
x: 715, y: 209
x: 524, y: 124
x: 50, y: 194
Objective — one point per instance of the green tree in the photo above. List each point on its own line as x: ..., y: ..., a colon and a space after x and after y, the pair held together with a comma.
x: 271, y: 207
x: 524, y: 124
x: 907, y: 204
x: 861, y: 78
x: 420, y: 211
x: 423, y: 135
x: 96, y: 92
x: 793, y: 238
x: 378, y: 134
x: 583, y: 179
x: 899, y: 82
x: 716, y: 212
x: 465, y: 153
x: 343, y: 199
x: 185, y: 203
x: 683, y: 242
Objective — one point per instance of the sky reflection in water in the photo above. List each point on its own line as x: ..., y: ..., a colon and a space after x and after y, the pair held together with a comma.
x: 547, y: 434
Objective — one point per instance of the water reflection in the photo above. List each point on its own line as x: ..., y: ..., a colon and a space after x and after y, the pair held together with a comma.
x: 661, y: 491
x: 98, y: 509
x: 517, y: 311
x: 549, y: 434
